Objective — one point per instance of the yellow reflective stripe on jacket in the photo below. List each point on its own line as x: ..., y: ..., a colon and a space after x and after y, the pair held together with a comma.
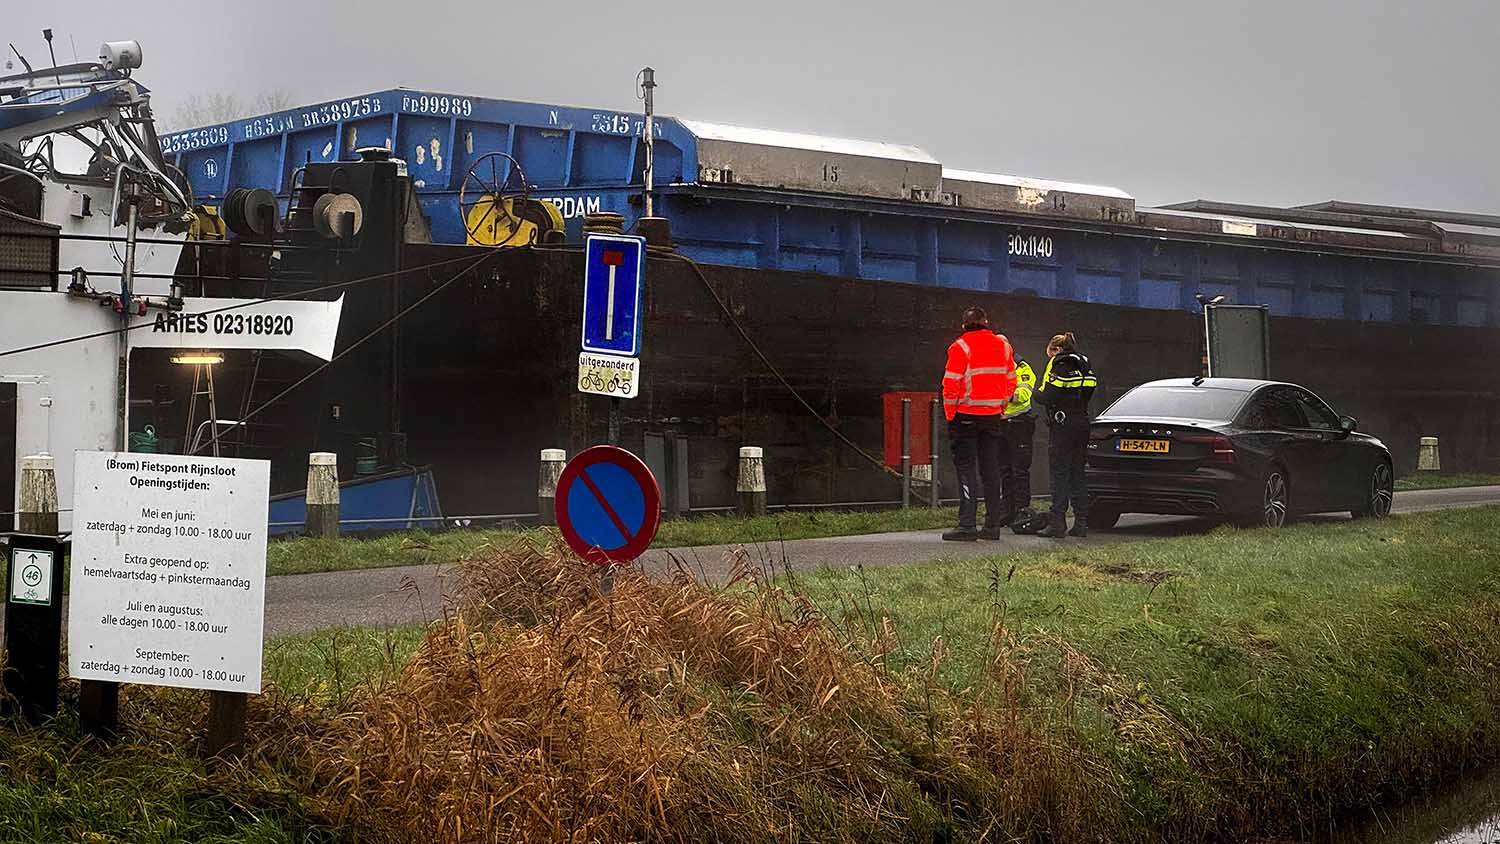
x: 1073, y: 381
x: 1067, y: 382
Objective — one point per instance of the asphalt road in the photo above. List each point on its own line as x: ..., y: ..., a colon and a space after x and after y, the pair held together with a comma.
x: 296, y: 603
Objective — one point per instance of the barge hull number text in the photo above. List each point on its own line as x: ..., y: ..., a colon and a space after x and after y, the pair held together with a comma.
x: 196, y: 139
x: 608, y: 123
x: 1030, y: 245
x: 436, y: 104
x: 269, y: 325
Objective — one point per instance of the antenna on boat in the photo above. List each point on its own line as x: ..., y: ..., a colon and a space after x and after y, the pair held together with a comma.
x: 24, y: 63
x: 646, y: 80
x: 47, y: 34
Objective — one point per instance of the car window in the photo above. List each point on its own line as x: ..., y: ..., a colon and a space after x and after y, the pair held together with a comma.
x: 1317, y: 413
x: 1275, y: 409
x: 1178, y: 402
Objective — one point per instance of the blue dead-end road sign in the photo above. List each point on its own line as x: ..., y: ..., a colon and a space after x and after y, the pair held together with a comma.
x: 608, y: 505
x: 614, y: 265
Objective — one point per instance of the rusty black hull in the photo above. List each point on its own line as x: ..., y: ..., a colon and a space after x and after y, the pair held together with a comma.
x: 480, y: 378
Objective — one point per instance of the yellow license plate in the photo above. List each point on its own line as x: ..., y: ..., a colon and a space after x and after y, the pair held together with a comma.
x: 1146, y: 446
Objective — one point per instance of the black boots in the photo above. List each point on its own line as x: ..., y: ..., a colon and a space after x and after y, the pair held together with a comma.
x: 1057, y: 529
x: 961, y: 535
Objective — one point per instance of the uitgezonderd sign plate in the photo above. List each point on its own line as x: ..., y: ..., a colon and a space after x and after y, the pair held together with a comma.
x: 609, y: 375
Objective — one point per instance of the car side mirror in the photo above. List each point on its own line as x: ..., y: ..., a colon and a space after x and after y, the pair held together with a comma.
x: 1347, y: 424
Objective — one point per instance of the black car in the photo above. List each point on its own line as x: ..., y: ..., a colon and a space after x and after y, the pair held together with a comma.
x: 1256, y: 452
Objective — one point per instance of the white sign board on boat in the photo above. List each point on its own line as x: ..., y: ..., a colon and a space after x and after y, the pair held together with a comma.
x: 290, y: 324
x: 169, y: 570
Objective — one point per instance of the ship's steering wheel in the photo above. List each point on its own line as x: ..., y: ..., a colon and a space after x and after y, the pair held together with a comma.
x: 492, y: 199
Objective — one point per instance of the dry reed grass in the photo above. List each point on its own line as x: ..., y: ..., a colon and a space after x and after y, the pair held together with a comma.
x: 543, y: 709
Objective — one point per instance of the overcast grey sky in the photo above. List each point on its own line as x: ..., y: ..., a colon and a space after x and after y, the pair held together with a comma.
x: 1271, y: 101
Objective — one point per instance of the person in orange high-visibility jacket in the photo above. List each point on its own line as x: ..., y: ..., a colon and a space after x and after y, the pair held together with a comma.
x: 978, y: 382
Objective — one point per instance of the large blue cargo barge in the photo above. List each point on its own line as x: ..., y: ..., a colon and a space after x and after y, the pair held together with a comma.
x: 778, y: 200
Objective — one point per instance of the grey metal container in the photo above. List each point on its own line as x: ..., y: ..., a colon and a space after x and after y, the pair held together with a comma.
x: 1042, y: 197
x: 734, y: 155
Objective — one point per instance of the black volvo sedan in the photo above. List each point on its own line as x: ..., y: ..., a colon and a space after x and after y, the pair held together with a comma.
x: 1256, y: 452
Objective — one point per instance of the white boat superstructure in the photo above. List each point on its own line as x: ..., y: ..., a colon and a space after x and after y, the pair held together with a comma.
x: 80, y: 175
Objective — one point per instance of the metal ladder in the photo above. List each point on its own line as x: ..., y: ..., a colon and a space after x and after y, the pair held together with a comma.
x: 203, y: 385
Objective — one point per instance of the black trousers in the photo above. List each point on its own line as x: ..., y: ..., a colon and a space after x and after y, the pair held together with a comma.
x: 1066, y: 451
x: 979, y: 452
x: 1019, y: 433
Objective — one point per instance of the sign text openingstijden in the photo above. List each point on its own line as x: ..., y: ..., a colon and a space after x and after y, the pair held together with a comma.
x: 169, y: 570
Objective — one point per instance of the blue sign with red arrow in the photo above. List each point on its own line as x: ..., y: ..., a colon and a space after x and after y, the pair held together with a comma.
x: 608, y: 505
x: 613, y: 293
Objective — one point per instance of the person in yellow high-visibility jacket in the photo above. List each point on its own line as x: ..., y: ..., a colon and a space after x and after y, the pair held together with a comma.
x: 1020, y: 430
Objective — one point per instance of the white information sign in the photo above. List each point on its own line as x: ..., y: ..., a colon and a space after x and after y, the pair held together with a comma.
x: 30, y: 577
x: 290, y: 324
x: 609, y: 375
x: 169, y: 570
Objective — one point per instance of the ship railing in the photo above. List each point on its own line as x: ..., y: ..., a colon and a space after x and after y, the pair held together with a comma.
x: 194, y: 275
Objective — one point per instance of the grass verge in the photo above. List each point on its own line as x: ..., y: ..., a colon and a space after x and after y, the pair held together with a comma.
x: 152, y: 787
x: 1237, y: 682
x: 1438, y: 480
x: 1241, y: 685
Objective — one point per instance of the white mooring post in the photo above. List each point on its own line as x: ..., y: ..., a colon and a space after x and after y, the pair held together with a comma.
x: 323, y: 495
x: 751, y: 485
x: 1428, y: 459
x: 38, y: 510
x: 553, y: 461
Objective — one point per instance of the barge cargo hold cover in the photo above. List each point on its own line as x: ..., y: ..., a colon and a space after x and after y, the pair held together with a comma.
x: 845, y: 261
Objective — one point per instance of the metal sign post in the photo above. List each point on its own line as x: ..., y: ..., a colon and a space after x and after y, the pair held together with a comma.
x: 33, y: 623
x: 648, y: 134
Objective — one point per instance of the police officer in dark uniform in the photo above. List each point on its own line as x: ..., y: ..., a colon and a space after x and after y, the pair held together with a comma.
x: 1065, y: 391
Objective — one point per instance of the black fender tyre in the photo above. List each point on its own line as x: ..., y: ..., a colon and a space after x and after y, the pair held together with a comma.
x: 1378, y: 493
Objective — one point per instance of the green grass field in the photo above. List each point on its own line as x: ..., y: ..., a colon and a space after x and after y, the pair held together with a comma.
x: 1351, y: 659
x: 1222, y: 686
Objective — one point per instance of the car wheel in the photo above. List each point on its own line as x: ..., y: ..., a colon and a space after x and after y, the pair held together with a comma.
x: 1379, y: 492
x: 1103, y: 518
x: 1275, y: 507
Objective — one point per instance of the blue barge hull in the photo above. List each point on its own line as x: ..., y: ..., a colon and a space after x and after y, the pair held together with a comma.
x: 924, y: 230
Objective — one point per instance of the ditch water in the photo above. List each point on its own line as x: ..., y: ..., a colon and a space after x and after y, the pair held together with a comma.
x: 1469, y: 813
